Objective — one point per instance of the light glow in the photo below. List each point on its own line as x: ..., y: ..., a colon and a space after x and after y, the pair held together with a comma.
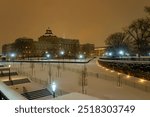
x: 53, y: 86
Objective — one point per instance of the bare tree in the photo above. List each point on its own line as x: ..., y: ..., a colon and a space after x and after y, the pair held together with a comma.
x: 118, y: 41
x: 139, y: 31
x: 147, y: 9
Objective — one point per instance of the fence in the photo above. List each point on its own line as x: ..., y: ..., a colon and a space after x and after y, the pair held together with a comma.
x: 122, y: 79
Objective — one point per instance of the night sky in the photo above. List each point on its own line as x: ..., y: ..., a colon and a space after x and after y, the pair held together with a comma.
x: 90, y: 21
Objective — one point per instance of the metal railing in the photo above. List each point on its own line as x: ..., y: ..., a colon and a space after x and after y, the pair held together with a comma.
x: 123, y: 80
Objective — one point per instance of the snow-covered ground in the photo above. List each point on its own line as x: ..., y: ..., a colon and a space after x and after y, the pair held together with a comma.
x: 100, y: 82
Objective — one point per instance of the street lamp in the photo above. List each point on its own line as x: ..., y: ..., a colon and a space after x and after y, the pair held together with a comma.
x: 10, y: 75
x: 110, y: 54
x: 81, y: 56
x: 121, y: 52
x: 46, y: 52
x: 12, y: 56
x: 62, y: 52
x: 106, y: 54
x: 48, y: 55
x: 53, y: 85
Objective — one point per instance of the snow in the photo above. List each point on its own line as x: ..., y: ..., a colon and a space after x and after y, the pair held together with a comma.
x: 10, y: 93
x: 75, y: 96
x: 101, y: 82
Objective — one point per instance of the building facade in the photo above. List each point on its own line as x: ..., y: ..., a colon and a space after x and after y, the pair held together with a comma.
x: 46, y: 44
x: 54, y: 45
x: 87, y: 49
x: 99, y: 51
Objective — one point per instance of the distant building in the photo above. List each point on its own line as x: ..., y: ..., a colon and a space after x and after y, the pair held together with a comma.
x: 7, y: 49
x: 24, y: 47
x: 87, y: 49
x: 53, y: 45
x: 47, y: 43
x: 99, y: 51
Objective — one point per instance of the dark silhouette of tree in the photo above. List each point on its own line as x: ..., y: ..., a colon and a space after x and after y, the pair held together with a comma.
x: 117, y: 41
x: 147, y: 9
x: 139, y: 31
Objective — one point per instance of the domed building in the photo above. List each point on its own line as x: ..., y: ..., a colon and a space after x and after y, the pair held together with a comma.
x: 46, y: 44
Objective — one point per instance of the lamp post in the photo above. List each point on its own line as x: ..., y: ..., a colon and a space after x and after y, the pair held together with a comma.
x: 10, y: 76
x: 62, y: 53
x: 84, y: 73
x: 9, y: 73
x: 121, y: 53
x: 48, y: 56
x: 12, y: 56
x: 110, y: 54
x: 81, y: 56
x: 53, y: 85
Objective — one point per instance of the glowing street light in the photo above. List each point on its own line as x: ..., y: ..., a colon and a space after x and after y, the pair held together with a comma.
x: 121, y: 52
x: 106, y: 69
x: 119, y: 73
x: 62, y: 52
x: 12, y: 55
x: 53, y: 85
x: 81, y: 56
x: 106, y: 53
x: 142, y: 80
x: 48, y: 55
x: 9, y: 66
x: 110, y: 54
x: 9, y: 72
x: 128, y: 76
x: 46, y: 52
